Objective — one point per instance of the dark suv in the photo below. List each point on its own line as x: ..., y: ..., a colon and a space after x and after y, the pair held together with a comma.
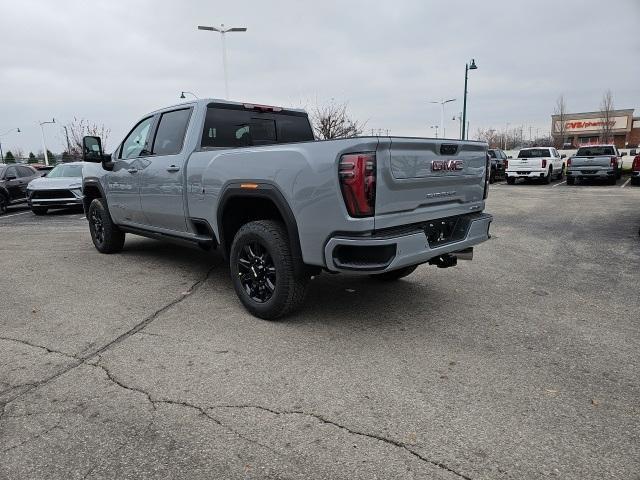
x: 498, y: 164
x: 13, y: 184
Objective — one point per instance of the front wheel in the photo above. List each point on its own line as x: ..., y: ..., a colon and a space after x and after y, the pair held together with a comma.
x: 4, y: 203
x: 511, y: 180
x: 561, y: 174
x: 264, y: 271
x: 571, y: 181
x: 395, y: 274
x: 106, y: 236
x: 492, y: 176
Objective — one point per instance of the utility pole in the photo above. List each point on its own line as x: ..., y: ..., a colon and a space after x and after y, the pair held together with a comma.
x: 223, y: 31
x: 442, y: 103
x: 66, y: 134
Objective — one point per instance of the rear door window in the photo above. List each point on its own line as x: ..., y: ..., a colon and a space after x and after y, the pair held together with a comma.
x: 171, y: 132
x: 25, y: 172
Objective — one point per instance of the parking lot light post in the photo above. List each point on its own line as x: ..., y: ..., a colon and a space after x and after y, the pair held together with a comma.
x: 467, y: 67
x: 17, y: 130
x: 442, y: 103
x: 436, y: 127
x: 44, y: 143
x: 189, y: 93
x: 223, y: 31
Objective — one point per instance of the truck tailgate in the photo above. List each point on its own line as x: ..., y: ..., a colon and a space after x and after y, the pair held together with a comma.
x: 423, y: 179
x: 525, y: 164
x: 602, y: 161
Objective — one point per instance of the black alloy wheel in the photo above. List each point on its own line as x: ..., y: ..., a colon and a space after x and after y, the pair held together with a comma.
x: 97, y: 226
x: 257, y: 272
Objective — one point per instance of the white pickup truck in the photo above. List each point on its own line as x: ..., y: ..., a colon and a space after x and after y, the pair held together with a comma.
x: 540, y: 163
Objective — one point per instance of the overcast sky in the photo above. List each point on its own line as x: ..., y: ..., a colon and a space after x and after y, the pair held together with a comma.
x: 112, y: 61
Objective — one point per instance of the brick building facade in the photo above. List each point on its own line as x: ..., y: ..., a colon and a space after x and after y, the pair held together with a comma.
x: 586, y: 128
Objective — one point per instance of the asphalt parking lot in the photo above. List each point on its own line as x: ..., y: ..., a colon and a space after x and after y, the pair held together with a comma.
x: 521, y: 364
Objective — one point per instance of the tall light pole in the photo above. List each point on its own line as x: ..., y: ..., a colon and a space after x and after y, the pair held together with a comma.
x: 223, y: 31
x: 506, y: 132
x: 17, y: 130
x: 442, y: 102
x: 467, y: 67
x: 44, y: 144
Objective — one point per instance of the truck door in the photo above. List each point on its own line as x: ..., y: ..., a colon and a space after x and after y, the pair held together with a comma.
x: 162, y: 180
x: 13, y: 183
x: 123, y: 182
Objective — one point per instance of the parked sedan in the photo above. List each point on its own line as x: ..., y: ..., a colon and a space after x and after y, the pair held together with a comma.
x: 62, y: 187
x: 13, y: 184
x: 498, y: 164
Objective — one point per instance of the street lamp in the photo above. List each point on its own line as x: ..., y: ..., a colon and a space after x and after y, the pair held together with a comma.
x: 17, y: 130
x: 222, y: 30
x: 467, y: 67
x: 182, y: 94
x: 442, y: 102
x: 44, y: 144
x: 436, y: 127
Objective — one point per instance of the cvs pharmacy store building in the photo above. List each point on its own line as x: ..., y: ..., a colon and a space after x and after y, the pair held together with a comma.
x: 586, y: 128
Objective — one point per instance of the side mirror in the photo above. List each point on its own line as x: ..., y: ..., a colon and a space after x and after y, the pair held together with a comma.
x: 563, y: 156
x: 92, y: 149
x: 622, y: 154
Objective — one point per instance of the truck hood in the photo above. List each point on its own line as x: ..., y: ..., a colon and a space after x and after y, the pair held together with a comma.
x: 45, y: 183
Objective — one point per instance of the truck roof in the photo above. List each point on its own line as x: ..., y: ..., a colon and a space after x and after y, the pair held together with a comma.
x: 207, y: 101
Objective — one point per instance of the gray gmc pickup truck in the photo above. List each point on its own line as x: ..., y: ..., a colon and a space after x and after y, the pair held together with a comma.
x: 252, y: 181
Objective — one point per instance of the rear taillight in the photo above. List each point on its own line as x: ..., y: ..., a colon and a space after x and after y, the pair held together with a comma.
x: 357, y: 172
x: 544, y: 163
x: 636, y: 164
x: 614, y: 162
x: 569, y: 162
x: 506, y: 164
x: 487, y: 173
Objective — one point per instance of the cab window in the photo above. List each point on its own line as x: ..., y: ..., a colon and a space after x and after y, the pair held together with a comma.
x: 136, y: 143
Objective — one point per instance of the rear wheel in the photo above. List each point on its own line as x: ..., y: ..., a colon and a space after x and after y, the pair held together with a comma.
x: 39, y: 210
x: 395, y: 274
x: 635, y: 180
x: 547, y: 179
x: 561, y: 174
x: 492, y: 176
x: 264, y: 271
x: 106, y: 236
x: 511, y: 180
x: 4, y: 203
x: 571, y: 181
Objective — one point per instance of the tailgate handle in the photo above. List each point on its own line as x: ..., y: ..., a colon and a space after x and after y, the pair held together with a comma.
x: 448, y: 149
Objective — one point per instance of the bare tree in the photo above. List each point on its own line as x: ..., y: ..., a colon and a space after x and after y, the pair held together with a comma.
x: 560, y: 124
x: 606, y: 117
x: 489, y: 135
x: 73, y: 132
x: 334, y: 121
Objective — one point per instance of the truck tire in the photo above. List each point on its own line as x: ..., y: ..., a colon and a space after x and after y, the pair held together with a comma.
x: 263, y: 270
x: 635, y: 180
x: 4, y: 203
x: 492, y: 176
x: 547, y: 180
x: 106, y: 236
x: 395, y: 274
x: 511, y: 180
x: 571, y: 181
x: 39, y: 210
x: 613, y: 180
x: 561, y: 174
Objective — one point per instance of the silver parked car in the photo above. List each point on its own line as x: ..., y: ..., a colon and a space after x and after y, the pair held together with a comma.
x: 60, y: 188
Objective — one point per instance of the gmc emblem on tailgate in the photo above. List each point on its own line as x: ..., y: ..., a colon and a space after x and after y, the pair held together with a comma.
x: 446, y: 165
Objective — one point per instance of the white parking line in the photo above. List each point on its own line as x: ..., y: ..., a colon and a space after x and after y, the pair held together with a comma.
x: 14, y: 214
x: 558, y: 184
x: 625, y: 183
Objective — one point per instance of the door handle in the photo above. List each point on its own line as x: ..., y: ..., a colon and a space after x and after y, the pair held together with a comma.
x: 173, y: 168
x: 132, y: 170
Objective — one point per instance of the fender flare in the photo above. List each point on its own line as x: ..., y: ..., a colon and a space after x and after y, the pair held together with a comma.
x: 92, y: 182
x: 267, y: 191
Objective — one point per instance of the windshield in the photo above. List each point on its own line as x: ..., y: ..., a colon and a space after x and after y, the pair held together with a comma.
x: 534, y: 153
x: 594, y: 151
x: 492, y: 153
x: 66, y: 171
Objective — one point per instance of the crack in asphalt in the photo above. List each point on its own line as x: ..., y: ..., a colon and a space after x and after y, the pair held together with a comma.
x: 82, y: 360
x: 353, y: 432
x: 47, y: 349
x: 31, y: 439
